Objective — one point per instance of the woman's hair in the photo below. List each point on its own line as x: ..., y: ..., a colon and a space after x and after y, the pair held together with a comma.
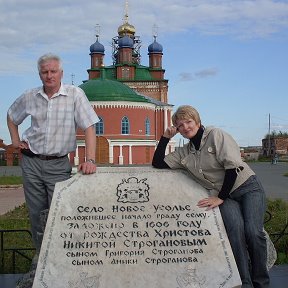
x: 47, y: 57
x: 186, y: 112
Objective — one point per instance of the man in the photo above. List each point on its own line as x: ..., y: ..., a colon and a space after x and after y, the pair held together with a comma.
x: 56, y: 111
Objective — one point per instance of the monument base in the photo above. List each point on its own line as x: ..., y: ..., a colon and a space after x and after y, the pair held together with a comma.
x: 134, y: 227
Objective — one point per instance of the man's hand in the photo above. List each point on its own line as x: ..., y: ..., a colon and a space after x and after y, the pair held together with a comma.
x: 23, y: 145
x: 87, y: 167
x: 13, y: 129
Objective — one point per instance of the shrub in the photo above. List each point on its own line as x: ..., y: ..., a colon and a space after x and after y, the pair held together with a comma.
x: 277, y: 228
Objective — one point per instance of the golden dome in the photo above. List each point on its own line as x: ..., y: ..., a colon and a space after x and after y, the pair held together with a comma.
x: 126, y: 29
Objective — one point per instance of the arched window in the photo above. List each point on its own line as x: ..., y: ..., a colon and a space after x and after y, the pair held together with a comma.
x: 100, y: 126
x: 125, y: 73
x: 147, y: 126
x: 125, y: 126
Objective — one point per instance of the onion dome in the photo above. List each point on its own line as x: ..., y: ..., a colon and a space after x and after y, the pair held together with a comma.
x: 97, y: 48
x: 126, y: 29
x: 125, y: 42
x: 155, y: 47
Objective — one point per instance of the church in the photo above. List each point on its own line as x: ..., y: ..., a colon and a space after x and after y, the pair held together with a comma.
x: 130, y: 99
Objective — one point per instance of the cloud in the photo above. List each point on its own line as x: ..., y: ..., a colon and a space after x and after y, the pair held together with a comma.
x: 33, y: 27
x: 186, y: 76
x: 206, y: 73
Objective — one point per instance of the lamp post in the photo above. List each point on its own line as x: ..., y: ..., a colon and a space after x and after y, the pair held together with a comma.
x: 269, y: 143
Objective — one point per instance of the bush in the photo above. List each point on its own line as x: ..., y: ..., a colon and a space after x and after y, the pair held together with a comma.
x: 277, y: 228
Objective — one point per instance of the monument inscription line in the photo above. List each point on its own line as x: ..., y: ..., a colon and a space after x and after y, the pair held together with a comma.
x: 129, y: 227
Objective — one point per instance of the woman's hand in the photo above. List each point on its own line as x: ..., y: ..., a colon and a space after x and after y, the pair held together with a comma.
x: 210, y: 202
x: 170, y: 132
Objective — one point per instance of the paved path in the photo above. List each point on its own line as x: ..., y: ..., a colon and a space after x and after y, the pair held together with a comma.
x: 10, y: 198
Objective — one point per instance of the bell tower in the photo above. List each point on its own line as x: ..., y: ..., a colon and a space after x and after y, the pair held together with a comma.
x: 97, y: 56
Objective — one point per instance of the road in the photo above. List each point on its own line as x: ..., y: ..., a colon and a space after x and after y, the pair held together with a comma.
x: 272, y: 179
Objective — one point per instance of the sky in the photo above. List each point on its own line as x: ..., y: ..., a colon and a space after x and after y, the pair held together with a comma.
x: 227, y: 58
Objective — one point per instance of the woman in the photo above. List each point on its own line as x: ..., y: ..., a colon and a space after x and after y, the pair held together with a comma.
x: 213, y: 159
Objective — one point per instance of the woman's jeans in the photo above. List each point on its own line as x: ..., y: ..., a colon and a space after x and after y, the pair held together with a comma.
x: 243, y: 216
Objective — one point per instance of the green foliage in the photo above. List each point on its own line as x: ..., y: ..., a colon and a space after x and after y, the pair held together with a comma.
x: 11, y: 180
x: 15, y: 220
x: 276, y: 228
x: 277, y: 134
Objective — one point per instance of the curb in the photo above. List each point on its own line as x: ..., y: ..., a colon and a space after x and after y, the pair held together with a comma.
x: 14, y: 186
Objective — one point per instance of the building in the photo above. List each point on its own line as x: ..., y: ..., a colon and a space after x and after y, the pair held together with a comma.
x: 275, y: 145
x: 8, y: 154
x: 250, y: 153
x: 130, y: 99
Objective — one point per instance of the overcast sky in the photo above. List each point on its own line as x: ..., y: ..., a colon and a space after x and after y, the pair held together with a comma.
x: 228, y: 58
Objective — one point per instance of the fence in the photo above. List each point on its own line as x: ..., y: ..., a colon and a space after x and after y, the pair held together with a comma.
x: 20, y: 251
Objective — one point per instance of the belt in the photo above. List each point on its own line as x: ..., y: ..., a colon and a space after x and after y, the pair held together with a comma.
x: 30, y: 154
x: 48, y: 157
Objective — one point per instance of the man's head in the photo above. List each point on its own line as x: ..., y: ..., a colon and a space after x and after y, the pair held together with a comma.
x: 50, y: 72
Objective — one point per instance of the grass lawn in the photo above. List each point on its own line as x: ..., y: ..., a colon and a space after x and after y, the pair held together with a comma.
x: 16, y: 220
x: 11, y: 180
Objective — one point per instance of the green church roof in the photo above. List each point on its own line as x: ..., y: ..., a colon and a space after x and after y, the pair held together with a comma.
x: 110, y: 90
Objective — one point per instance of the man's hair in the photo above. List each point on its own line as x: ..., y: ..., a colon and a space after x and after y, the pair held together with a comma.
x: 47, y: 57
x: 186, y: 112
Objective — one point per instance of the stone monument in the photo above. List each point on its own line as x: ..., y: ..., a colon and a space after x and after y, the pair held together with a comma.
x: 134, y: 227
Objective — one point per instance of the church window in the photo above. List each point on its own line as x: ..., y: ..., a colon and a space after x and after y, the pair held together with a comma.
x: 96, y: 62
x: 100, y: 126
x: 125, y: 73
x: 147, y: 126
x: 125, y: 126
x: 157, y: 62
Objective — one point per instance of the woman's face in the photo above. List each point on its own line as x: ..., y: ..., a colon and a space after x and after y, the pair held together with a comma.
x: 187, y: 127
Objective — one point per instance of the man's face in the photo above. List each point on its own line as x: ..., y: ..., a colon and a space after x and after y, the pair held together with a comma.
x: 51, y: 75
